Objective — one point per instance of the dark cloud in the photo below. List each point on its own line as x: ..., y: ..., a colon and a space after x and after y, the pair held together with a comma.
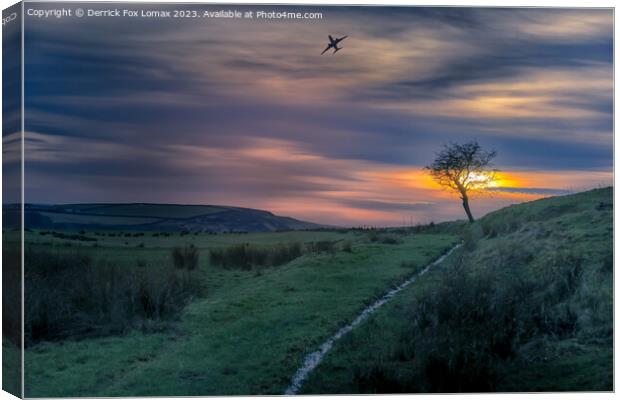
x: 126, y: 107
x: 498, y: 61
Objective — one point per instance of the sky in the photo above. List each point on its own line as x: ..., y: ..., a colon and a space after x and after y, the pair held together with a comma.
x: 247, y: 112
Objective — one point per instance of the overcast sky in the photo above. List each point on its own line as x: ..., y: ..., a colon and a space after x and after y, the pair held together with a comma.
x: 248, y: 113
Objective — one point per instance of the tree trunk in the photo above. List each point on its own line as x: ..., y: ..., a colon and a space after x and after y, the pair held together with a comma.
x: 466, y: 207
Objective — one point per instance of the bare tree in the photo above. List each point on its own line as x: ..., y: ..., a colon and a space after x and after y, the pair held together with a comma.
x: 464, y: 168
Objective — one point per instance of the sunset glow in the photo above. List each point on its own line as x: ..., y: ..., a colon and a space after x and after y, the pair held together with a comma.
x: 239, y: 119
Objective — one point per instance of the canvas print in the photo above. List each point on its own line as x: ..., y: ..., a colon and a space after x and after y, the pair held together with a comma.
x: 226, y: 199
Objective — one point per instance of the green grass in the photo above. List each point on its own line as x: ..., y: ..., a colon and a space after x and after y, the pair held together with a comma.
x: 154, y: 243
x: 372, y: 344
x: 579, y: 367
x: 249, y: 333
x: 11, y: 368
x: 561, y: 249
x: 251, y: 330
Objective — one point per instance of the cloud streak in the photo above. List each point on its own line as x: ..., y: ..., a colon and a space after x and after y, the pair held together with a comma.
x: 247, y: 112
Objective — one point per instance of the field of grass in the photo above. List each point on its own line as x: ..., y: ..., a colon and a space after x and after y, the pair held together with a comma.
x: 248, y: 330
x: 525, y: 305
x: 528, y: 306
x: 157, y: 244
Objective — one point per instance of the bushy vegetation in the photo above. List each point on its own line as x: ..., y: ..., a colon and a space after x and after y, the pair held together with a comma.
x: 70, y: 295
x: 246, y: 256
x: 450, y: 227
x: 526, y: 304
x: 80, y: 236
x: 185, y: 257
x: 322, y: 246
x: 463, y: 333
x: 484, y: 318
x: 395, y: 235
x: 375, y: 236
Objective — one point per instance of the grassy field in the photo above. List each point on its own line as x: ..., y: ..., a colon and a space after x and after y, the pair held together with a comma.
x: 245, y: 333
x: 527, y: 307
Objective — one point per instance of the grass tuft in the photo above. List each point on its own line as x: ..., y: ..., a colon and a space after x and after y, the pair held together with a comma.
x: 69, y: 295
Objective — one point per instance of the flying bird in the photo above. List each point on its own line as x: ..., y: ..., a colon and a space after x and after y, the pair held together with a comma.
x: 333, y: 43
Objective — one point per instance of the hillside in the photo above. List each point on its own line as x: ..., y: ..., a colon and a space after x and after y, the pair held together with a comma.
x: 527, y: 306
x: 154, y: 217
x: 524, y: 304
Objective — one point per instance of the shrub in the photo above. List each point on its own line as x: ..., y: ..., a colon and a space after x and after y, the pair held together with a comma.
x: 281, y: 254
x: 495, y: 225
x: 68, y: 295
x: 479, y: 317
x: 389, y: 239
x: 246, y: 256
x: 563, y: 272
x: 452, y: 227
x: 185, y: 257
x: 380, y: 378
x: 323, y: 246
x: 384, y: 238
x: 471, y: 235
x: 476, y: 322
x: 68, y: 236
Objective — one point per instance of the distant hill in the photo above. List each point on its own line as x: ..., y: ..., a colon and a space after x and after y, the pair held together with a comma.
x: 152, y: 217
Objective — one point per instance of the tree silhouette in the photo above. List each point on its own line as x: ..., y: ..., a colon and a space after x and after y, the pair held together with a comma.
x: 464, y: 168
